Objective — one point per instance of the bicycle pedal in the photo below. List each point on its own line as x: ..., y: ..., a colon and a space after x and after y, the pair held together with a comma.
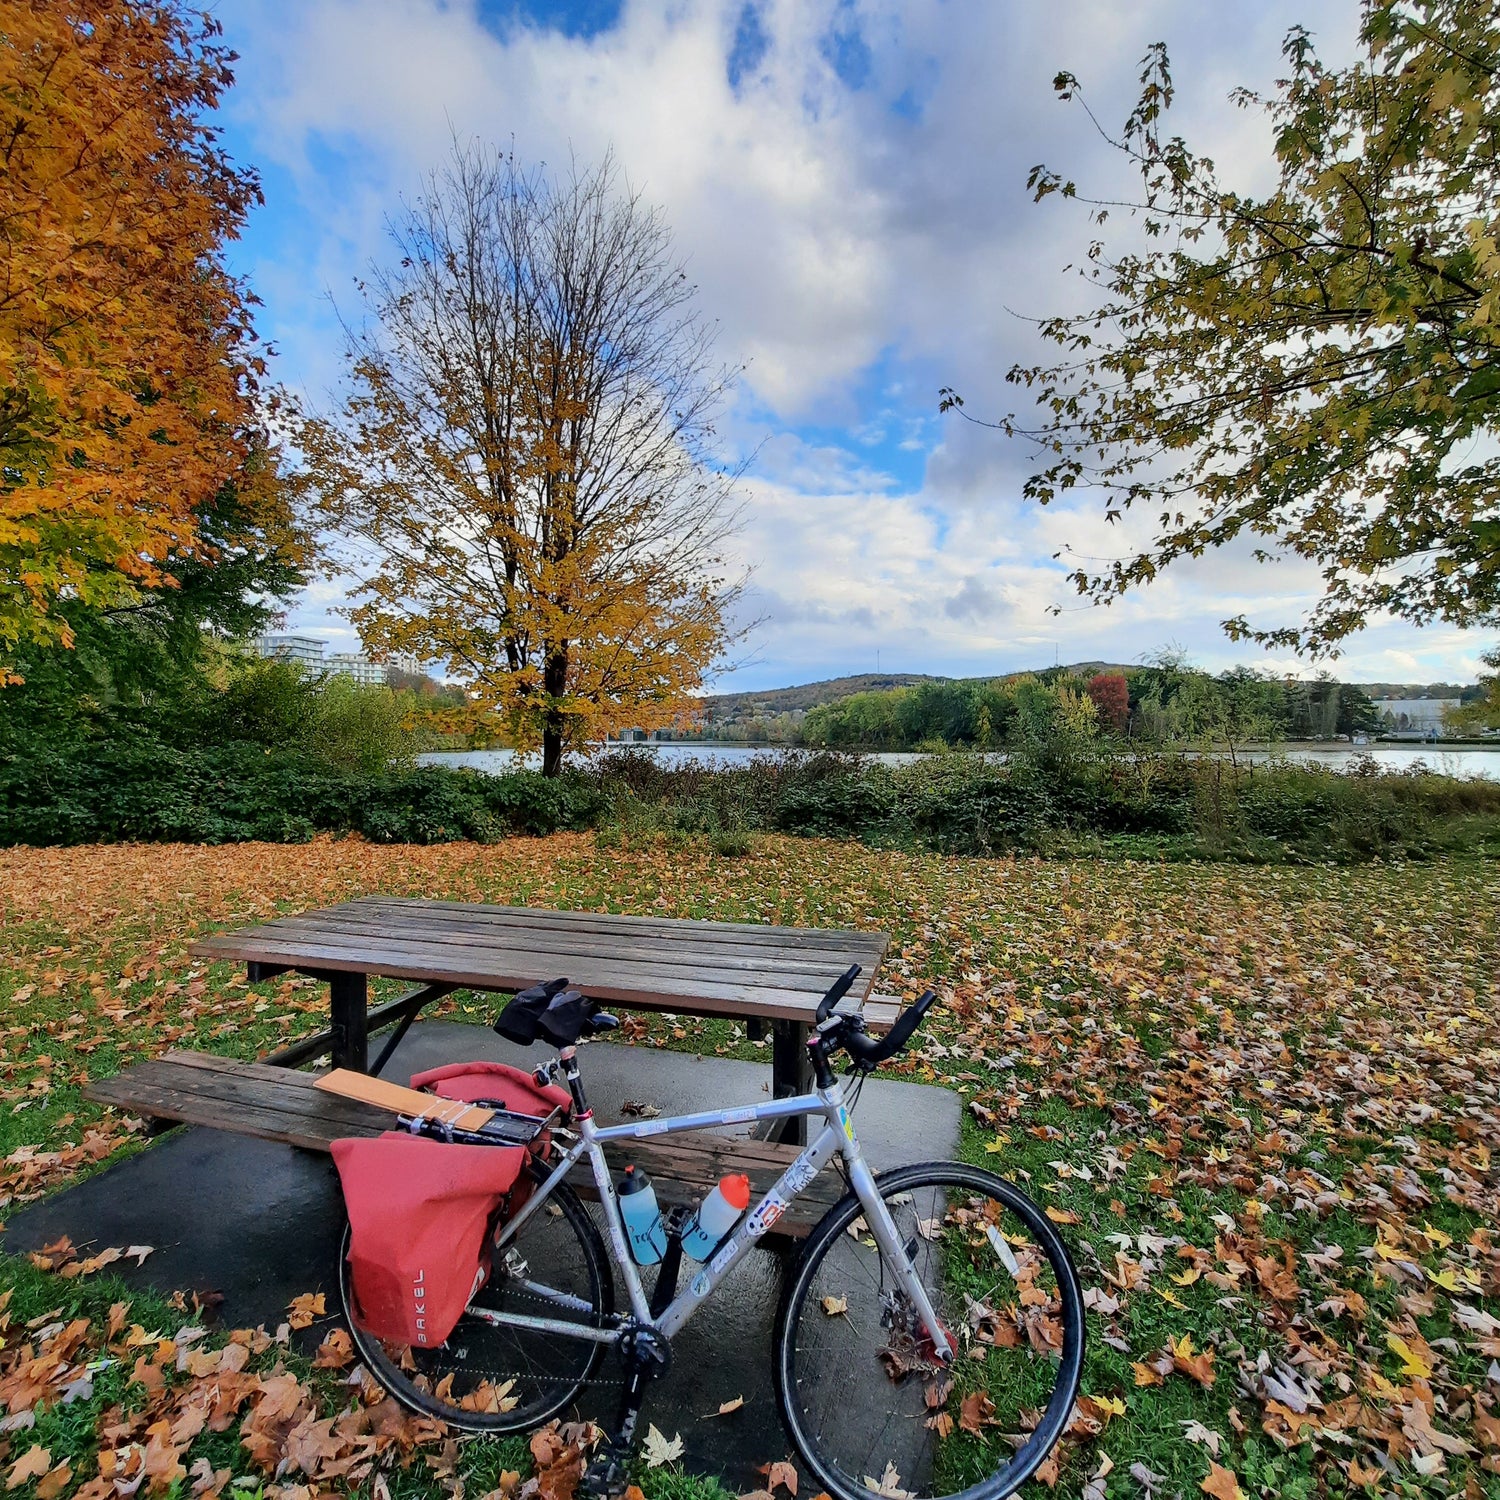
x: 607, y: 1476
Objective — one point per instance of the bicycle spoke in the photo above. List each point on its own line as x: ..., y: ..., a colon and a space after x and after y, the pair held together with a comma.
x: 864, y: 1391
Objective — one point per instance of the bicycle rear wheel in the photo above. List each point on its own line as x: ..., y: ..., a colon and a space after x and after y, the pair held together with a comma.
x: 489, y: 1378
x: 865, y: 1399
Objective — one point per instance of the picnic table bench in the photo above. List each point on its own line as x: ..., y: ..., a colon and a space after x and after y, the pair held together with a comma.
x: 757, y: 973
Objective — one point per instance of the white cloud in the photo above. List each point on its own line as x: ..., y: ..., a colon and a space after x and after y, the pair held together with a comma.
x: 856, y: 256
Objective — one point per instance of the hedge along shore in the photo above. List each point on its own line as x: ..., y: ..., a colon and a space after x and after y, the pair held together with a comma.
x: 1053, y: 801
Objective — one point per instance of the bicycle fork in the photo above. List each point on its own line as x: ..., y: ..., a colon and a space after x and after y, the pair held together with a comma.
x: 895, y: 1254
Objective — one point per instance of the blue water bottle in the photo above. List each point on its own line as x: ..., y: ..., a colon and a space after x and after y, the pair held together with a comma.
x: 643, y: 1226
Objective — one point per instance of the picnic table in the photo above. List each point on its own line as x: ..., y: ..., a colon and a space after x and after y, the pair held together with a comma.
x: 754, y: 972
x: 748, y: 971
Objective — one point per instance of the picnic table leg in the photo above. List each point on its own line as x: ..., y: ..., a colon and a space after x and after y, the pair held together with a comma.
x: 791, y: 1074
x: 350, y: 1029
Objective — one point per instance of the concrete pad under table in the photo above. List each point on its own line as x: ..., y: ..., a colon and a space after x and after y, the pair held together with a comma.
x: 256, y: 1224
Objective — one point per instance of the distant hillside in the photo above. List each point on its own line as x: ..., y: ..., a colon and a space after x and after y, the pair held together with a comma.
x: 809, y: 694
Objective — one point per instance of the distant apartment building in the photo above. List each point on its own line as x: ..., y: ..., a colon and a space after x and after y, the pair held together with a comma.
x: 360, y: 668
x: 307, y: 653
x: 1415, y: 718
x: 302, y: 649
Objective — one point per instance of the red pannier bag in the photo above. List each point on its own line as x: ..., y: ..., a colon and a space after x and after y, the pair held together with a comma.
x: 422, y: 1212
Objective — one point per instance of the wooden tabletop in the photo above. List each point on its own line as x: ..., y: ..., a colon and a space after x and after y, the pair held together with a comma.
x: 642, y: 963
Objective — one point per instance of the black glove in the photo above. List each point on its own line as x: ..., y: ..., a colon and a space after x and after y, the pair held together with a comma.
x: 520, y: 1021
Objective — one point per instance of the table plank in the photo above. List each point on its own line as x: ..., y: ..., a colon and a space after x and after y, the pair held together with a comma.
x: 792, y: 968
x: 658, y: 947
x: 425, y: 916
x: 647, y: 963
x: 831, y: 937
x: 637, y: 990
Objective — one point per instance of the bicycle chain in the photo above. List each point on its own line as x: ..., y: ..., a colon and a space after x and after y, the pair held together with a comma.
x: 542, y: 1302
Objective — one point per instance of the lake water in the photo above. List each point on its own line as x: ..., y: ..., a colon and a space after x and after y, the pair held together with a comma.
x: 1459, y: 761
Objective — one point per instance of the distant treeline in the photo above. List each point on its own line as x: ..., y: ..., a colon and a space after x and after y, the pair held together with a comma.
x: 1164, y: 703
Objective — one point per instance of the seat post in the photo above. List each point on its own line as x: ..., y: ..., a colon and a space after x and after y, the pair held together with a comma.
x: 568, y: 1057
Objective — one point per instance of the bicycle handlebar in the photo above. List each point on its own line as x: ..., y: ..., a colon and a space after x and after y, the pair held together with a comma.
x: 836, y: 992
x: 869, y: 1053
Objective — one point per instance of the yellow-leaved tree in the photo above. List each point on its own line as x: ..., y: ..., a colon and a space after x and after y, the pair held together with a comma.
x: 521, y: 471
x: 127, y: 358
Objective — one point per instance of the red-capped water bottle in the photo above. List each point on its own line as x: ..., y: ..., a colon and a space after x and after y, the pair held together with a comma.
x: 716, y: 1216
x: 643, y: 1226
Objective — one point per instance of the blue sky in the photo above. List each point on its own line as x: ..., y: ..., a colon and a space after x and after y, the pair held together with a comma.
x: 846, y: 180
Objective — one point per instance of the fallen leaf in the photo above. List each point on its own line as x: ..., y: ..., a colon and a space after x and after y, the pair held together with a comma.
x: 1222, y: 1483
x: 781, y: 1473
x: 305, y: 1309
x: 1411, y: 1362
x: 32, y: 1464
x: 1199, y: 1366
x: 1195, y: 1432
x: 54, y: 1482
x: 888, y: 1485
x: 976, y: 1412
x: 658, y: 1450
x: 1095, y: 1489
x: 336, y: 1352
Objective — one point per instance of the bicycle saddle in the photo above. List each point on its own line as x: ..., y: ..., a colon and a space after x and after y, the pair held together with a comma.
x: 554, y: 1013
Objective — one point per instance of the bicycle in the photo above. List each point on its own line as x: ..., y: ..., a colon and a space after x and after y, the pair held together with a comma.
x: 929, y: 1338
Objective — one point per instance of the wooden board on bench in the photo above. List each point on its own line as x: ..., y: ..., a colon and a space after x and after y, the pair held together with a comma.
x: 280, y: 1104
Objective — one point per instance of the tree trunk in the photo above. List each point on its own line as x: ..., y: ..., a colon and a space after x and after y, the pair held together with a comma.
x: 554, y: 684
x: 552, y: 748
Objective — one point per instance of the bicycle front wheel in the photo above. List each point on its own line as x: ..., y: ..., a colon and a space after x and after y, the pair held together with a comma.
x: 495, y: 1378
x: 865, y: 1398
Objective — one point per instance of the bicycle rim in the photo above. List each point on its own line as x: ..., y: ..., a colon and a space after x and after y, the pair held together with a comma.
x: 865, y: 1398
x: 493, y: 1379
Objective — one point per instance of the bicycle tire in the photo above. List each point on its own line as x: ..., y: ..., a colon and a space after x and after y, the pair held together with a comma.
x: 829, y: 1414
x: 416, y: 1389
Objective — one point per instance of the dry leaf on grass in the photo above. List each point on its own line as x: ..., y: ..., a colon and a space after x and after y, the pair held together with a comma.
x: 54, y: 1482
x: 336, y: 1352
x: 1222, y: 1484
x: 32, y: 1464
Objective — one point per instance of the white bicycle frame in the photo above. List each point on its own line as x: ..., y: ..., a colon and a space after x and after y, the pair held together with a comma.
x: 837, y: 1135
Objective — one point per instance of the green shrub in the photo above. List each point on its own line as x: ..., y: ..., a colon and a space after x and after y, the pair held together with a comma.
x: 139, y: 788
x: 146, y: 791
x: 333, y: 719
x: 356, y: 727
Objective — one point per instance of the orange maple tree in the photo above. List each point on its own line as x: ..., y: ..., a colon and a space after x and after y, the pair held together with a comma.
x: 128, y: 361
x: 523, y: 468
